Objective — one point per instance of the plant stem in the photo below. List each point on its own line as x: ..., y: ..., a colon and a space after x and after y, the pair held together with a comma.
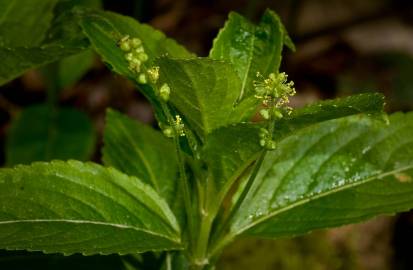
x: 184, y: 184
x: 226, y: 239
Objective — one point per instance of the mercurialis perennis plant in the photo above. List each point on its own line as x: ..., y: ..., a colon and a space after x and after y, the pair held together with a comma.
x: 207, y: 174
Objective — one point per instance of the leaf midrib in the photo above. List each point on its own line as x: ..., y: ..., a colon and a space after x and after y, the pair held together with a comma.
x: 145, y: 162
x: 89, y: 222
x: 321, y: 195
x: 246, y: 75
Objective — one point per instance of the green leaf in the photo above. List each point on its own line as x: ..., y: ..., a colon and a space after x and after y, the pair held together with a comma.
x: 251, y: 48
x: 15, y: 61
x: 139, y: 150
x: 105, y: 29
x: 334, y: 173
x: 202, y: 90
x: 368, y: 103
x: 74, y: 207
x: 62, y: 40
x: 230, y: 150
x: 24, y: 22
x: 39, y: 134
x: 71, y: 69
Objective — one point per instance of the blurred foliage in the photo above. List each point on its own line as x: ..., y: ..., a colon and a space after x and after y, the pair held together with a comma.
x: 194, y: 23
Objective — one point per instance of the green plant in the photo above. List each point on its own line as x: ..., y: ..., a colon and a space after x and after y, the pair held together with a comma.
x: 211, y: 175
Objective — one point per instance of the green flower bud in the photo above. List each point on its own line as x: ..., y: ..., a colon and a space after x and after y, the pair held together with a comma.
x: 125, y: 46
x: 136, y: 61
x: 263, y: 133
x: 143, y: 56
x: 277, y: 114
x: 168, y: 132
x: 270, y: 145
x: 135, y: 42
x: 164, y: 92
x: 142, y: 78
x: 265, y: 114
x: 139, y: 50
x: 129, y: 56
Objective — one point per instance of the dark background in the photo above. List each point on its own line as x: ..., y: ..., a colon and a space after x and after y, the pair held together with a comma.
x: 343, y: 47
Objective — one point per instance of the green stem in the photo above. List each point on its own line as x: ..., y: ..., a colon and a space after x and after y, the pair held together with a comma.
x: 227, y: 238
x: 184, y: 184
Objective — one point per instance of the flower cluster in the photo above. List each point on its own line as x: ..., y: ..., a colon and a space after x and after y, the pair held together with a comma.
x: 274, y: 92
x: 135, y: 55
x: 266, y: 139
x: 176, y: 128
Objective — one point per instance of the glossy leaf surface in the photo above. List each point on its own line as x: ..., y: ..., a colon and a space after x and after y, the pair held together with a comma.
x: 139, y: 150
x: 230, y: 150
x: 71, y: 207
x: 334, y: 173
x: 24, y: 22
x: 202, y: 90
x: 251, y: 48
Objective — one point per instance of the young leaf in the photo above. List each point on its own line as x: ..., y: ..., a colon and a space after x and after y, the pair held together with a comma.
x: 230, y: 150
x: 39, y: 134
x: 139, y: 150
x: 74, y: 207
x: 251, y: 48
x: 202, y: 90
x: 338, y: 172
x: 24, y: 22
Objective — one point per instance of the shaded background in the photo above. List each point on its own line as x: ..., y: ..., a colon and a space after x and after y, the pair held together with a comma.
x: 343, y: 47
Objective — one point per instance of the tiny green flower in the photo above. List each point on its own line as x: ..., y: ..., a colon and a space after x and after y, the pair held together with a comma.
x: 179, y: 126
x: 164, y: 92
x: 270, y: 145
x: 135, y: 42
x: 124, y: 44
x: 277, y: 114
x: 153, y: 74
x: 142, y: 78
x: 142, y: 56
x: 265, y: 114
x: 168, y: 132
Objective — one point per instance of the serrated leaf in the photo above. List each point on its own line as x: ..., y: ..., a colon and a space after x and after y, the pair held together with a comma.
x: 74, y: 207
x: 338, y: 172
x: 202, y: 90
x: 24, y: 22
x: 139, y: 150
x: 251, y: 48
x: 230, y: 150
x: 40, y: 134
